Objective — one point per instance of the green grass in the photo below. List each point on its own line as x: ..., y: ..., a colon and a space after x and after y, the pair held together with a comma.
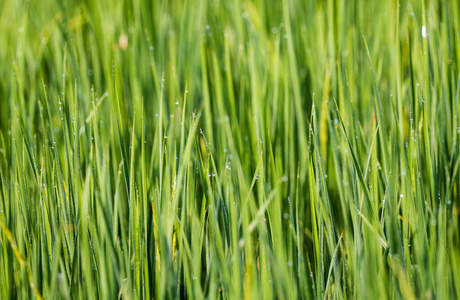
x: 229, y: 149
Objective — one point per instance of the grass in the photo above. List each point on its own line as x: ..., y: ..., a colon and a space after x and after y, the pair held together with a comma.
x: 238, y: 149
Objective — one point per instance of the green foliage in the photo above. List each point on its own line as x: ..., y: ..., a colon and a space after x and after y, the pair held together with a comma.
x: 229, y: 149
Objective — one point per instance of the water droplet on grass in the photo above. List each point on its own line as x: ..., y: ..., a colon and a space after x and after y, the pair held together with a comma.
x: 424, y: 33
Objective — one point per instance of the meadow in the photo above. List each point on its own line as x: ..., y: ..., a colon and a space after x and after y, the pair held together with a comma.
x: 239, y: 149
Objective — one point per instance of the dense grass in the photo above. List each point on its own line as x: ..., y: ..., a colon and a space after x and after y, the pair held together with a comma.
x: 236, y: 149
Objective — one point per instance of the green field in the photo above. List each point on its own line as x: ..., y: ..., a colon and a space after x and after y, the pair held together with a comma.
x: 240, y: 149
